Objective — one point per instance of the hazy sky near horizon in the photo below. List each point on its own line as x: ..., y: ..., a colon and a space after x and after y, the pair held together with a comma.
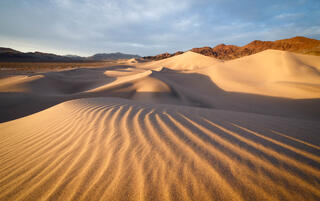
x: 149, y: 27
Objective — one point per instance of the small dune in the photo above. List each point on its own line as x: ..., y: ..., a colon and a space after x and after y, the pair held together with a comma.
x: 185, y: 61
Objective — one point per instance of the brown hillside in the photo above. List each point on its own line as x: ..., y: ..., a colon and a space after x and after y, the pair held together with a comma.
x: 227, y: 52
x: 296, y: 44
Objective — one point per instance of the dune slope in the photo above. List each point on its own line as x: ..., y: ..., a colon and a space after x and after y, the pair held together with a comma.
x: 186, y: 61
x: 272, y: 72
x: 115, y: 149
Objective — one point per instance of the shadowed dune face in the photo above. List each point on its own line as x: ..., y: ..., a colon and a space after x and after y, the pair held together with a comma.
x: 185, y: 128
x: 114, y: 149
x: 24, y: 95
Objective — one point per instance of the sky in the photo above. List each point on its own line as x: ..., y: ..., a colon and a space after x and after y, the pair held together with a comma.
x: 150, y: 27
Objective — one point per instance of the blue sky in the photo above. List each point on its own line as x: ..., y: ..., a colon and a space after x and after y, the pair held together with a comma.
x: 149, y: 27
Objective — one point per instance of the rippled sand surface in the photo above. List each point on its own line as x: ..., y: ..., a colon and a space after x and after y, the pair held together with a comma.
x: 246, y: 129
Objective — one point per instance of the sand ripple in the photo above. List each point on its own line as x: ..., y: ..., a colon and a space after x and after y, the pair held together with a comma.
x: 116, y: 149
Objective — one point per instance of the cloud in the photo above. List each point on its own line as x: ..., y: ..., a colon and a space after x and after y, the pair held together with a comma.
x: 123, y: 11
x: 150, y: 27
x: 289, y: 16
x: 188, y: 23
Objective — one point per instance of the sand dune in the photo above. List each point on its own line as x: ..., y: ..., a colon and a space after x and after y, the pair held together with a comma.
x: 272, y: 73
x: 114, y: 149
x: 185, y: 128
x: 185, y: 61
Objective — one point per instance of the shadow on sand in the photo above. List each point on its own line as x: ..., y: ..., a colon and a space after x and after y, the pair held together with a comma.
x: 192, y: 89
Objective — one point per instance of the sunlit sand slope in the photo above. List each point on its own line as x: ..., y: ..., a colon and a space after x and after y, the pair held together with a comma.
x: 271, y: 72
x: 117, y: 149
x: 186, y: 61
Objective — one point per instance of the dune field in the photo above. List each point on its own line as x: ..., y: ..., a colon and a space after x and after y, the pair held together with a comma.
x: 189, y: 127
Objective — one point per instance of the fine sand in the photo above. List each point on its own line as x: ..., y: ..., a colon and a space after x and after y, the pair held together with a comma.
x: 189, y: 127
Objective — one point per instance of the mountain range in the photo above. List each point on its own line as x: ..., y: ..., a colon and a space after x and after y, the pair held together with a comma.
x: 297, y: 44
x: 8, y: 54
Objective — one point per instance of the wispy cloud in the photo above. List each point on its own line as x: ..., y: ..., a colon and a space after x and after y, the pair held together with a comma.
x: 289, y: 16
x: 151, y: 26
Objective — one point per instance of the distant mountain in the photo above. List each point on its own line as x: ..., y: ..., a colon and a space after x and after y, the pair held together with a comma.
x: 112, y: 56
x: 224, y: 52
x: 227, y: 52
x: 7, y: 54
x: 7, y: 50
x: 74, y: 56
x: 11, y: 55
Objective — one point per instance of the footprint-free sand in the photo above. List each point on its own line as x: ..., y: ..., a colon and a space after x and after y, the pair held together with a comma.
x: 189, y: 127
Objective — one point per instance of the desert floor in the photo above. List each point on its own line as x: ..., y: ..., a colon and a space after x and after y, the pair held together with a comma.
x: 189, y: 127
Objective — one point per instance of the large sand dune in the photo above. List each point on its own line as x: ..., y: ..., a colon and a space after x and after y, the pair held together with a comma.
x: 186, y: 128
x: 272, y: 72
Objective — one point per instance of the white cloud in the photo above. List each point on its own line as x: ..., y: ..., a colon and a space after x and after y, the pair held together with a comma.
x: 288, y: 16
x: 123, y: 11
x: 187, y: 23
